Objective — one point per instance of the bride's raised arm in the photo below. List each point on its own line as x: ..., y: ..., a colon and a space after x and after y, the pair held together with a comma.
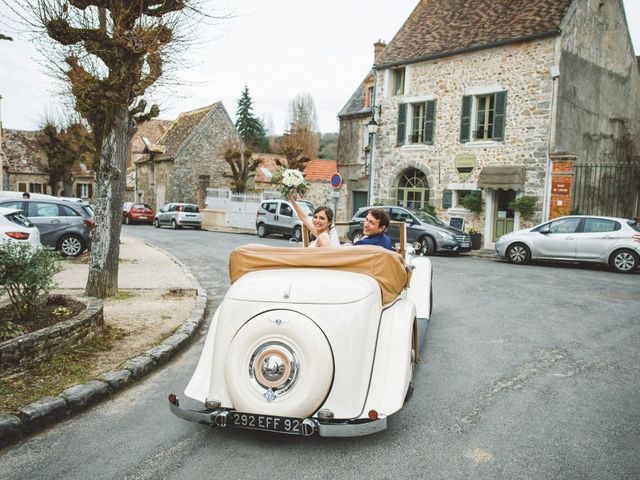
x: 302, y: 215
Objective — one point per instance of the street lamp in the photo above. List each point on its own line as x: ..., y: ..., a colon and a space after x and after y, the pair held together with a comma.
x: 372, y: 128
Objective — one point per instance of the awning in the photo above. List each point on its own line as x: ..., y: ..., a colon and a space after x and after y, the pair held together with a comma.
x: 504, y: 177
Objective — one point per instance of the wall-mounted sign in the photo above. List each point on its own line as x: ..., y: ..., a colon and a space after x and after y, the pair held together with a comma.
x: 465, y: 163
x: 561, y: 185
x: 336, y: 180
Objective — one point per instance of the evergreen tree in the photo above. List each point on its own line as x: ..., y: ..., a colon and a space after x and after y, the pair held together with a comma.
x: 249, y: 128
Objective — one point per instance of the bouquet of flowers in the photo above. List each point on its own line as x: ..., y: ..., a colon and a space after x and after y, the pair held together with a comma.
x: 290, y: 181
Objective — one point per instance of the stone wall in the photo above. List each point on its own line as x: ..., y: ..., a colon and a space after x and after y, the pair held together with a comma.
x: 48, y: 341
x: 351, y: 162
x: 202, y: 155
x: 521, y: 69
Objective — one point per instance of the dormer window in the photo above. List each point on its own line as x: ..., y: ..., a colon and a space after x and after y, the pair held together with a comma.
x: 398, y: 81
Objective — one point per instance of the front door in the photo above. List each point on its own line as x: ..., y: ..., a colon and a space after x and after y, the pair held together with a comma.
x: 359, y: 201
x: 503, y: 215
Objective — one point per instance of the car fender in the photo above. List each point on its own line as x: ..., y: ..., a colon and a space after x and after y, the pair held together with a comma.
x: 198, y: 387
x: 392, y: 367
x: 419, y: 291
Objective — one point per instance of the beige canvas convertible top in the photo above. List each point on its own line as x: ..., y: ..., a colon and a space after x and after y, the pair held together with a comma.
x: 384, y: 266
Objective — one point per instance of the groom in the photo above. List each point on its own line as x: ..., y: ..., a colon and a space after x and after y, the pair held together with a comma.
x: 375, y: 224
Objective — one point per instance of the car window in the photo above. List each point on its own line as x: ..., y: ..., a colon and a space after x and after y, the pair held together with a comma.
x: 17, y: 204
x: 564, y: 225
x: 19, y: 219
x: 189, y: 208
x: 43, y: 209
x: 139, y: 206
x: 88, y: 209
x: 270, y: 207
x: 362, y: 214
x: 600, y: 225
x: 172, y: 207
x: 286, y: 210
x: 398, y: 215
x: 68, y: 212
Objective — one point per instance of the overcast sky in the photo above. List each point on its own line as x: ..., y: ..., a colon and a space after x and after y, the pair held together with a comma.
x: 279, y: 48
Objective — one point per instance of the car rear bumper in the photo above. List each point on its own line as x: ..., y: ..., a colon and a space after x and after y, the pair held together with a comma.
x: 311, y: 426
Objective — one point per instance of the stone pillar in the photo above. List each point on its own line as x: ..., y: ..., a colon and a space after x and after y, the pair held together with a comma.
x: 562, y: 176
x: 203, y: 184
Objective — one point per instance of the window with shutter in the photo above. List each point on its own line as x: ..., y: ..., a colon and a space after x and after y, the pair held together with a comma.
x: 465, y: 119
x: 447, y: 197
x: 402, y: 123
x: 430, y: 122
x: 499, y: 115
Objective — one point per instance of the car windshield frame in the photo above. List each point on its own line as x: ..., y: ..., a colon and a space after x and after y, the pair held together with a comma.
x: 427, y: 218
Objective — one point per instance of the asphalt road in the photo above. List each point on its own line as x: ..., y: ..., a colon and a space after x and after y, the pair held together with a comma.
x: 528, y: 372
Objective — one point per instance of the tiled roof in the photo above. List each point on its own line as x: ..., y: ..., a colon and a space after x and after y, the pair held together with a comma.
x: 440, y: 27
x: 181, y: 130
x: 316, y: 169
x: 151, y: 129
x: 355, y: 105
x: 23, y: 152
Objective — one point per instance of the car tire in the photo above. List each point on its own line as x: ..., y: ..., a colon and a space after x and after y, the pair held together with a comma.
x: 127, y: 220
x: 197, y: 228
x: 518, y: 253
x: 156, y: 223
x: 297, y: 233
x: 306, y: 360
x: 357, y: 236
x: 174, y: 225
x: 71, y: 245
x: 262, y: 230
x: 624, y: 261
x: 427, y: 246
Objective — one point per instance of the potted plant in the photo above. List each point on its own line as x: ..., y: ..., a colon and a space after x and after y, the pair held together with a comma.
x: 524, y: 205
x: 473, y: 202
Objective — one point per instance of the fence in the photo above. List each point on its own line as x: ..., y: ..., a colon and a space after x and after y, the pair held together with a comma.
x: 241, y: 208
x: 608, y: 190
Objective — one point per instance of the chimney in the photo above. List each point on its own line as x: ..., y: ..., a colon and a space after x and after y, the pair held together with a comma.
x: 378, y: 47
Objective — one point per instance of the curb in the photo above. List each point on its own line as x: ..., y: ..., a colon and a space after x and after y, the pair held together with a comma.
x: 48, y: 410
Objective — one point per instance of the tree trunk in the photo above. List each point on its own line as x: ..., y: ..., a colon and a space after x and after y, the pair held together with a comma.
x: 105, y: 246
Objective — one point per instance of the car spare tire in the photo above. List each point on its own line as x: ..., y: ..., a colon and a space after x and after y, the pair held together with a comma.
x: 279, y: 363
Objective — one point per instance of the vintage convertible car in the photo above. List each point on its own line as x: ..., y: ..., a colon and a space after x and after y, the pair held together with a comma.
x: 312, y: 341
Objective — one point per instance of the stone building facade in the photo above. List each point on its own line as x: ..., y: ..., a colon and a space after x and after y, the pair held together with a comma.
x: 187, y: 159
x: 486, y: 97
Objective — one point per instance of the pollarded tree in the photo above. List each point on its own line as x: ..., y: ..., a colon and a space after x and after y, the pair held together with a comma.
x: 114, y: 50
x: 250, y: 129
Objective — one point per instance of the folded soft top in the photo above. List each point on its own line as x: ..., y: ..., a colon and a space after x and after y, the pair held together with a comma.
x: 384, y: 266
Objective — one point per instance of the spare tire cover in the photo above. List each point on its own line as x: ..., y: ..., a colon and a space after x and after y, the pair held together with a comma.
x: 279, y: 363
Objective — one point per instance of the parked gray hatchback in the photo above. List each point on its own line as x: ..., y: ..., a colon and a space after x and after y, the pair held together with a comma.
x: 63, y: 225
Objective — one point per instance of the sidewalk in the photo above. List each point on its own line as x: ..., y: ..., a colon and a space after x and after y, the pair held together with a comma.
x: 159, y: 308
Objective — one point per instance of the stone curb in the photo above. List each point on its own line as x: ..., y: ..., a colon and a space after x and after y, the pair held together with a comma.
x: 48, y: 410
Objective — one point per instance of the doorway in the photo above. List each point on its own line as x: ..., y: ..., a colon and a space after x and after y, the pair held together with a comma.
x: 503, y: 216
x: 359, y: 201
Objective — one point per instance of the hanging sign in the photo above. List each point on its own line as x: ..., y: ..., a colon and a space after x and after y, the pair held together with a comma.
x: 336, y: 180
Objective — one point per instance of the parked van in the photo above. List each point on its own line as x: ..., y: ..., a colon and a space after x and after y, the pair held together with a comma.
x: 278, y: 216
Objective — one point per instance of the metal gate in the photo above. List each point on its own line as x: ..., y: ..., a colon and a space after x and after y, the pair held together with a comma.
x: 241, y: 208
x: 609, y: 190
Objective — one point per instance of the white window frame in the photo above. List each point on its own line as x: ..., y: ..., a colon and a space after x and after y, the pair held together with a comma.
x: 84, y: 190
x: 410, y: 102
x: 455, y: 187
x: 476, y: 92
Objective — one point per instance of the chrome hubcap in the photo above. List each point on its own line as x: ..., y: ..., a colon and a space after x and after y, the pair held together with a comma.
x: 71, y: 246
x: 517, y: 254
x: 624, y: 261
x: 273, y: 369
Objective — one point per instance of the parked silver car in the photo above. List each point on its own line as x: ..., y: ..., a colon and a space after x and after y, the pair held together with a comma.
x: 581, y: 238
x: 178, y: 215
x: 63, y: 225
x: 277, y: 216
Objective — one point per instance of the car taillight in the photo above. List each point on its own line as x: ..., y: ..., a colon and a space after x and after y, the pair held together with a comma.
x: 89, y: 223
x: 17, y: 235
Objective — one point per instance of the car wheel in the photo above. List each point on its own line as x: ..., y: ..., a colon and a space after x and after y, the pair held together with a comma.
x: 357, y: 236
x: 127, y: 220
x: 262, y: 230
x: 197, y: 228
x: 297, y: 233
x: 279, y: 363
x: 427, y: 246
x: 156, y: 223
x: 174, y: 225
x: 71, y: 245
x: 624, y: 261
x: 518, y: 253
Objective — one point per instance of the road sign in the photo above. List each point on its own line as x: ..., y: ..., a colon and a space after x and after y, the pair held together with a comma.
x: 336, y: 180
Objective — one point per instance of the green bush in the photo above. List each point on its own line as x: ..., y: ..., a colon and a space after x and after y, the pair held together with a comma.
x: 525, y: 205
x: 26, y: 274
x: 430, y: 209
x: 473, y: 201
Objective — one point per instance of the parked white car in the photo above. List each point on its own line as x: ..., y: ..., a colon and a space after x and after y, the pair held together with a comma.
x: 178, y: 215
x: 311, y: 341
x: 15, y: 227
x: 579, y: 238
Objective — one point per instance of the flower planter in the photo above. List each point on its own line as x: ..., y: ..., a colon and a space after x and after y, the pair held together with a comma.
x: 476, y: 241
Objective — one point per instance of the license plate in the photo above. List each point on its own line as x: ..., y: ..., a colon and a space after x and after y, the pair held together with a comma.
x: 142, y: 217
x: 465, y: 244
x: 270, y: 423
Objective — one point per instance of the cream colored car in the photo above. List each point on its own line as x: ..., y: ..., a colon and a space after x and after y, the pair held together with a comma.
x: 308, y: 343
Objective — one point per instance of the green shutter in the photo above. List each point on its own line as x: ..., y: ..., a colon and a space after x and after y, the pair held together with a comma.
x: 499, y: 115
x: 447, y: 196
x: 465, y: 119
x: 402, y: 123
x: 429, y: 122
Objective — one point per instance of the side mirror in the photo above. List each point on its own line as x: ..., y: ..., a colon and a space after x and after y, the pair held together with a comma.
x: 545, y: 230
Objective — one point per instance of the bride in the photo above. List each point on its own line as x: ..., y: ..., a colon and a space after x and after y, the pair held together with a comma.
x: 321, y: 226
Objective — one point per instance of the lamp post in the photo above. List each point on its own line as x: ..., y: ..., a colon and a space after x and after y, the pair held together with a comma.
x: 372, y: 127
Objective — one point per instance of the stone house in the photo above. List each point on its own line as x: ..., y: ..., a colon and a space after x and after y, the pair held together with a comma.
x: 186, y: 159
x: 508, y: 97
